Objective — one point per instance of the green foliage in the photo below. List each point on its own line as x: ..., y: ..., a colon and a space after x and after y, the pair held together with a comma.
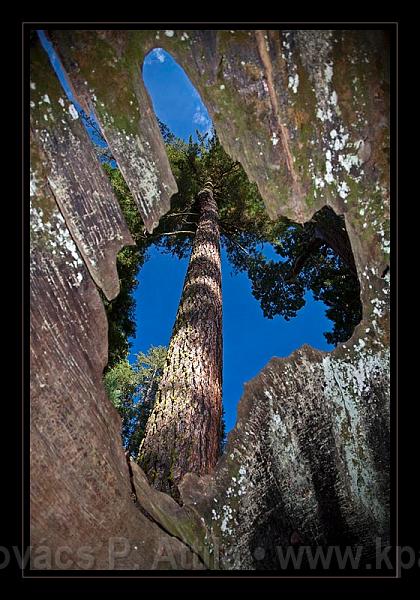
x: 315, y: 256
x: 132, y: 390
x: 307, y: 262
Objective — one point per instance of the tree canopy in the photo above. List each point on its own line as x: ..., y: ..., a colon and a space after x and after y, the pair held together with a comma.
x: 314, y: 256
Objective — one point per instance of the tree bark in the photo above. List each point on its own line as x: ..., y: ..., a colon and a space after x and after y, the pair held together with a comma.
x: 183, y: 431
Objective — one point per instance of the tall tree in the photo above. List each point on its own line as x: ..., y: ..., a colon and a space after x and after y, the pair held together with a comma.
x: 185, y: 428
x: 183, y: 433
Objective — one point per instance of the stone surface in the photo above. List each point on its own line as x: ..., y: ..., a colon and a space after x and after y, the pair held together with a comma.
x: 81, y: 508
x: 66, y: 163
x: 82, y: 514
x: 108, y: 82
x: 306, y: 113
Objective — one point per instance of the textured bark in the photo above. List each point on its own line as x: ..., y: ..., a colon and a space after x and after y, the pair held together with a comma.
x: 182, y: 434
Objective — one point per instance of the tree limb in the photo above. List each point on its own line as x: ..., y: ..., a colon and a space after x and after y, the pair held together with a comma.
x: 234, y: 241
x: 301, y: 260
x: 173, y: 233
x: 179, y: 214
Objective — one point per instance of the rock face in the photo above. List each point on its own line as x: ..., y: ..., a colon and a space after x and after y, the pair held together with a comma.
x: 306, y: 113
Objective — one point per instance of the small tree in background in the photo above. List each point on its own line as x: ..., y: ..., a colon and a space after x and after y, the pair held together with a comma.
x: 132, y: 390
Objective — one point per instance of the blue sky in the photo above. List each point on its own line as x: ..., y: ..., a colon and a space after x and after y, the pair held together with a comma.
x: 175, y: 101
x: 249, y: 339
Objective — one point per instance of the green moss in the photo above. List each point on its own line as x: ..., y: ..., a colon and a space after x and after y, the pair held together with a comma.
x: 45, y: 114
x: 345, y: 432
x: 360, y: 453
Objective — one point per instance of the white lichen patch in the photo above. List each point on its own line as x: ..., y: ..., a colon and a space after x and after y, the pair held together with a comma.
x: 226, y: 513
x: 379, y: 307
x: 343, y: 189
x: 274, y: 139
x: 348, y: 386
x: 385, y: 246
x: 359, y: 345
x: 73, y: 112
x: 54, y: 237
x: 348, y: 161
x: 319, y: 182
x: 335, y: 139
x: 329, y: 71
x: 222, y: 87
x: 33, y: 183
x: 329, y: 178
x: 269, y: 395
x: 294, y: 82
x: 169, y: 33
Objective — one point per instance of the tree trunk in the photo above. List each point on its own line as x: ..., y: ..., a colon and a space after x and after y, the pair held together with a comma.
x: 183, y: 431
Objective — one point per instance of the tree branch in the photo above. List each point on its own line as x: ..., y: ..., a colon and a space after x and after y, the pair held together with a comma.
x: 173, y: 233
x: 300, y: 261
x: 179, y: 214
x: 230, y: 170
x: 234, y: 241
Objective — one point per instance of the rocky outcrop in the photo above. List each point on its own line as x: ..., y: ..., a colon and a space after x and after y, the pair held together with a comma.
x: 306, y: 113
x: 308, y: 457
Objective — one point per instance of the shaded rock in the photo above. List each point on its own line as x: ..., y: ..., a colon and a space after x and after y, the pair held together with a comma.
x: 302, y: 457
x: 180, y: 522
